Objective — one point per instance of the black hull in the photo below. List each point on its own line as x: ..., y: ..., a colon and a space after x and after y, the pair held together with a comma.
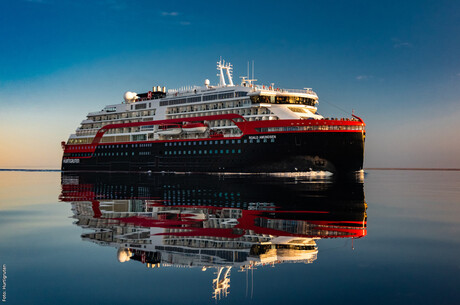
x: 337, y: 152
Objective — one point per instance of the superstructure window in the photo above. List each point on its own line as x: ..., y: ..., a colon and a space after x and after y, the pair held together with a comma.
x: 257, y: 99
x: 194, y: 99
x: 141, y: 106
x: 209, y: 97
x: 173, y: 102
x: 178, y: 101
x: 296, y: 109
x: 226, y: 95
x: 240, y: 93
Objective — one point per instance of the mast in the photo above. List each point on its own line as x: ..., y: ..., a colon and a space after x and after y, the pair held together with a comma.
x: 221, y: 66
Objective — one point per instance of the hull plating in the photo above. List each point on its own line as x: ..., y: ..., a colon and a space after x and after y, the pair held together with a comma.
x: 337, y: 152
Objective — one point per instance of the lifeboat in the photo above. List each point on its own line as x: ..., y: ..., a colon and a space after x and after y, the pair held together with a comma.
x: 169, y: 129
x: 194, y: 127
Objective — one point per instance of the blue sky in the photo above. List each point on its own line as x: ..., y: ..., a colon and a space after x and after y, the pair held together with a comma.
x: 395, y: 62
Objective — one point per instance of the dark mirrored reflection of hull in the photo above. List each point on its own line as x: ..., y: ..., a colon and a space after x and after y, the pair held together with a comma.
x: 213, y: 222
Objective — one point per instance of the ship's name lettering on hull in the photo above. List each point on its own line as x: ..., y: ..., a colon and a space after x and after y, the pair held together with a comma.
x: 262, y: 137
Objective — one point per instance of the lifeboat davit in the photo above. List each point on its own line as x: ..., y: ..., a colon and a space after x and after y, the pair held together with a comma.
x: 169, y: 129
x: 194, y: 127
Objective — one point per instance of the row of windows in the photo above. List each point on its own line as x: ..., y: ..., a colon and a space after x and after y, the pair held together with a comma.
x: 101, y: 154
x: 222, y: 106
x: 113, y: 154
x: 202, y: 142
x: 80, y: 155
x: 208, y: 97
x: 123, y: 115
x: 190, y: 143
x: 148, y: 153
x: 225, y: 95
x: 257, y: 99
x: 316, y: 127
x: 140, y: 106
x: 111, y: 146
x: 219, y: 142
x: 194, y: 99
x: 203, y: 152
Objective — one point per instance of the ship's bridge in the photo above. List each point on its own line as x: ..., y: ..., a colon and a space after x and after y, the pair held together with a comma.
x: 262, y: 97
x: 271, y: 95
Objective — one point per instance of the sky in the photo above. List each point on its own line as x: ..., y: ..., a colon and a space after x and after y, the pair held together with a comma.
x: 396, y: 63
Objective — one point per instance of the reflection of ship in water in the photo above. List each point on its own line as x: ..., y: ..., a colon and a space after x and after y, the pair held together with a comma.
x: 210, y: 222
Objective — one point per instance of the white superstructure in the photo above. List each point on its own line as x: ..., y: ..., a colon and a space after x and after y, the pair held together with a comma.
x: 253, y: 102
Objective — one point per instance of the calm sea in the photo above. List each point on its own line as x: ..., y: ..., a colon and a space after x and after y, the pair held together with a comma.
x: 166, y: 239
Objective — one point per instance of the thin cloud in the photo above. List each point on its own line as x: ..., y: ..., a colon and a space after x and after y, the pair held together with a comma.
x: 397, y: 43
x: 184, y: 23
x: 171, y: 14
x: 363, y: 77
x: 402, y: 45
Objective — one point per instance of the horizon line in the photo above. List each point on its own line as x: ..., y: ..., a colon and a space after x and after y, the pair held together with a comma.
x: 367, y: 168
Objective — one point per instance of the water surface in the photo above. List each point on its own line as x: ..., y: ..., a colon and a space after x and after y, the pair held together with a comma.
x: 122, y: 239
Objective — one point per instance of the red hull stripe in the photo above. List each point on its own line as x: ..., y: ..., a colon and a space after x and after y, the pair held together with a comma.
x: 247, y: 127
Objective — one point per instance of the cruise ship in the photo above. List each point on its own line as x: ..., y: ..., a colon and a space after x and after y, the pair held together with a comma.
x: 224, y: 128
